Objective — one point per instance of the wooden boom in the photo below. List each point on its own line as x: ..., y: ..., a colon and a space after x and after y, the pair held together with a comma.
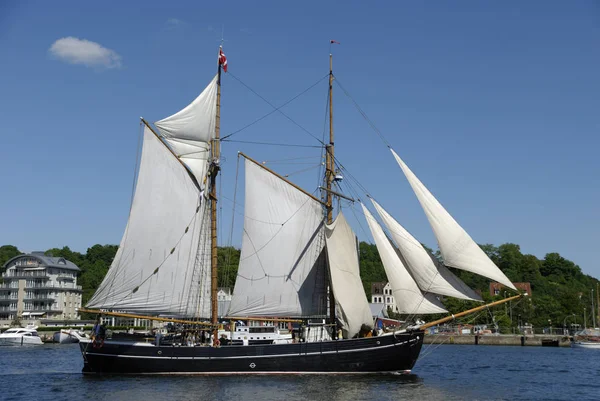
x: 134, y: 316
x: 468, y: 312
x: 263, y: 319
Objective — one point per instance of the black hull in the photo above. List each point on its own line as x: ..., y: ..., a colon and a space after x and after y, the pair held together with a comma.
x: 384, y: 354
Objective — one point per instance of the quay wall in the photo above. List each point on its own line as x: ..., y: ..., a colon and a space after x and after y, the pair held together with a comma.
x: 501, y: 339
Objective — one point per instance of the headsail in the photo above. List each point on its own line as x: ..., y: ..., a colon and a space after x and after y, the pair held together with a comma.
x: 156, y: 269
x: 189, y: 131
x: 457, y: 247
x: 409, y: 297
x: 282, y: 258
x: 350, y: 298
x: 429, y: 276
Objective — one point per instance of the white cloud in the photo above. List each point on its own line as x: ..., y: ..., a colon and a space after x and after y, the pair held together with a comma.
x: 174, y: 22
x: 81, y: 51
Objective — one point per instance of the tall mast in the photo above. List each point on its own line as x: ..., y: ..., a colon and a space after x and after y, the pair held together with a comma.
x: 214, y: 171
x: 593, y: 311
x: 329, y: 175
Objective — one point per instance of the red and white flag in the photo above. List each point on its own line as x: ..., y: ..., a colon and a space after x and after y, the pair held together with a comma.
x: 223, y: 60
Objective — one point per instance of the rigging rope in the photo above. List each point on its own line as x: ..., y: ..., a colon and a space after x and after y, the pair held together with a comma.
x: 321, y: 173
x: 230, y: 248
x: 303, y: 170
x: 363, y: 114
x: 291, y: 145
x: 278, y: 109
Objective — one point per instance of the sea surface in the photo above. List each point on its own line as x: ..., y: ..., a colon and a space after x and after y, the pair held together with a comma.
x: 446, y: 372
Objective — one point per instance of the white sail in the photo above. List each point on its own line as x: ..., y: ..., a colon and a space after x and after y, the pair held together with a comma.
x: 430, y: 277
x: 457, y: 247
x: 189, y: 131
x: 280, y: 261
x: 409, y: 298
x: 154, y: 267
x: 352, y: 304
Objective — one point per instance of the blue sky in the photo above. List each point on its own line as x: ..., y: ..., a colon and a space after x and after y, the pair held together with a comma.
x: 494, y: 105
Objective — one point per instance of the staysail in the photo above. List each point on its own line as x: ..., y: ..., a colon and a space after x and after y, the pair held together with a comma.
x: 429, y: 276
x: 189, y: 131
x: 157, y: 268
x: 282, y: 261
x: 350, y: 298
x: 457, y: 247
x: 409, y: 298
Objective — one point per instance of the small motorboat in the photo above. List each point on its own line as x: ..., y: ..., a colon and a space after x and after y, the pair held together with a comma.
x: 21, y: 336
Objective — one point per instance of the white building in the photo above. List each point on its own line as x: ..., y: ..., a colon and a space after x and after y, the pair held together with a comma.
x: 223, y: 300
x: 36, y: 286
x: 381, y: 293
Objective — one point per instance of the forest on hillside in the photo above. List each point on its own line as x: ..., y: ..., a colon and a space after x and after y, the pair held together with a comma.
x: 559, y: 288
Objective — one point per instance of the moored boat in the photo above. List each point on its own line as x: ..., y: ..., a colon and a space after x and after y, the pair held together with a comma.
x: 587, y: 338
x: 21, y: 336
x: 67, y: 336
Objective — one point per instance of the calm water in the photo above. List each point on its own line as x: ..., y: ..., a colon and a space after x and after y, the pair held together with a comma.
x: 448, y: 372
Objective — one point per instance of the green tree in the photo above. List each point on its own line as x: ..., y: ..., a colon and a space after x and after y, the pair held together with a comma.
x: 371, y: 268
x: 227, y: 267
x: 8, y: 252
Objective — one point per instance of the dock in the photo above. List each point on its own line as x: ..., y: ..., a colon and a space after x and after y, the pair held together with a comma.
x: 546, y: 340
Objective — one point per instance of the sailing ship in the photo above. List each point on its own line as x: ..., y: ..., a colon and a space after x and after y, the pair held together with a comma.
x: 298, y: 261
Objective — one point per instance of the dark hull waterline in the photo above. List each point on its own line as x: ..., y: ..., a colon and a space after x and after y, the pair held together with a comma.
x: 390, y: 353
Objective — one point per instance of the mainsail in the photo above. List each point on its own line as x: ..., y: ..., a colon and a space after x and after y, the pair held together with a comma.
x: 429, y: 276
x: 189, y: 131
x: 160, y: 265
x: 408, y: 296
x: 352, y: 305
x: 282, y: 262
x: 457, y: 247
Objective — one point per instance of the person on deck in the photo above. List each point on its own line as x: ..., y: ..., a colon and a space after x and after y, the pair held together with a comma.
x: 98, y: 333
x: 157, y: 338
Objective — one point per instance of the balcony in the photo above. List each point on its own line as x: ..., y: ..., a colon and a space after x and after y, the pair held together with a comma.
x: 38, y: 297
x: 25, y: 274
x: 51, y: 286
x: 43, y: 309
x: 64, y: 276
x: 11, y: 286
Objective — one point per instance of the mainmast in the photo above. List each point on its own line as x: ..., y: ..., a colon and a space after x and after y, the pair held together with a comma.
x: 329, y: 176
x: 214, y: 171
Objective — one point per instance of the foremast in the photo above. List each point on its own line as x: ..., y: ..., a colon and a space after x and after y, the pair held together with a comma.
x: 214, y: 171
x: 329, y: 177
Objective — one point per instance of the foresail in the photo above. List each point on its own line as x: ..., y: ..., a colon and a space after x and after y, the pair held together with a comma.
x: 352, y: 304
x: 430, y: 277
x: 457, y: 247
x: 282, y: 262
x: 189, y: 131
x: 408, y: 296
x: 156, y: 264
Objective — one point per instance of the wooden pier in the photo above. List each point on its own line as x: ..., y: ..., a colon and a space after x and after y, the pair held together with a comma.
x: 500, y: 339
